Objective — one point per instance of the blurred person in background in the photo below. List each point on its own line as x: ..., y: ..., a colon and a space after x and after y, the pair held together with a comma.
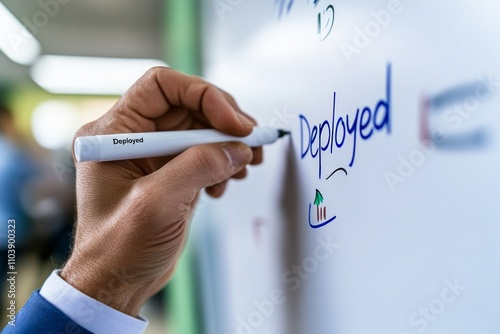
x: 17, y: 170
x: 41, y: 205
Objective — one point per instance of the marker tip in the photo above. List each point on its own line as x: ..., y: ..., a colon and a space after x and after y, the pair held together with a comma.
x: 282, y: 133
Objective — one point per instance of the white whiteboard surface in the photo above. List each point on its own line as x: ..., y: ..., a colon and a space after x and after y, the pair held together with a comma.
x: 416, y: 238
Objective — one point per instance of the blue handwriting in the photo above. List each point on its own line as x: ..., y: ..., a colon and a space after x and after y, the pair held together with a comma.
x: 330, y: 135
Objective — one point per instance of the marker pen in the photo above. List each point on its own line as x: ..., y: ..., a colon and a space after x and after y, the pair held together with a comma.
x: 127, y: 146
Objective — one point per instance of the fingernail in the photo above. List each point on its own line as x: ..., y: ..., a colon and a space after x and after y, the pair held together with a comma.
x: 239, y: 154
x: 245, y: 120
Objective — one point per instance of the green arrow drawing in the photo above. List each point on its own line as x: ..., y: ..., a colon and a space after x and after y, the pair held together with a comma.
x: 319, y: 198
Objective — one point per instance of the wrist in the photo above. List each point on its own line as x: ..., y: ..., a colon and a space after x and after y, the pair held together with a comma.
x: 113, y: 290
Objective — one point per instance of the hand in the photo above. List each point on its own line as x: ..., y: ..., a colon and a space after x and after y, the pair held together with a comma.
x: 133, y: 216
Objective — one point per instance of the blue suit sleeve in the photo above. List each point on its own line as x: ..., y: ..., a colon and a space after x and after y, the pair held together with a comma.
x: 40, y: 316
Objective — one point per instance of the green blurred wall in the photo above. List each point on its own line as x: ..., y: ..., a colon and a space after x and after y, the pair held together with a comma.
x: 182, y: 52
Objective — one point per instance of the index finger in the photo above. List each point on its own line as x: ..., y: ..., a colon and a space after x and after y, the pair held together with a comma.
x: 162, y: 88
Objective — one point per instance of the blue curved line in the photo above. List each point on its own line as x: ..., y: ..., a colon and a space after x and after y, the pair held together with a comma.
x: 322, y: 224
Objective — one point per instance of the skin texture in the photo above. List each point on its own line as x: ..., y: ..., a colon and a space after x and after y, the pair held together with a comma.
x: 133, y: 216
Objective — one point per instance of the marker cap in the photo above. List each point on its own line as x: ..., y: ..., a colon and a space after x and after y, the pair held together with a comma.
x: 87, y: 149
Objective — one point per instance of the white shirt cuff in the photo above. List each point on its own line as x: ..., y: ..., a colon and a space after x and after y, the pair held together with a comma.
x: 87, y: 312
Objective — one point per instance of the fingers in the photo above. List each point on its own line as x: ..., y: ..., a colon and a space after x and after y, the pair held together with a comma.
x: 258, y: 155
x: 217, y: 190
x: 161, y: 89
x: 241, y: 174
x: 235, y: 105
x: 200, y: 167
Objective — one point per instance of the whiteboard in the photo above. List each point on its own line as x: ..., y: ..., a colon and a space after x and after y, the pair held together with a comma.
x: 380, y: 214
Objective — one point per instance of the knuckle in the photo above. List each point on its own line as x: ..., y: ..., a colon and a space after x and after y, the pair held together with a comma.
x: 96, y: 127
x: 198, y: 86
x: 85, y: 130
x: 154, y: 71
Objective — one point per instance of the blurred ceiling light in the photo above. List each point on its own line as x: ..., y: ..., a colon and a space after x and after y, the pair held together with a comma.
x: 18, y: 44
x: 88, y: 75
x: 54, y: 123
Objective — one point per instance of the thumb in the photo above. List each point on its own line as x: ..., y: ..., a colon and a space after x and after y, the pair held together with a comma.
x: 200, y: 167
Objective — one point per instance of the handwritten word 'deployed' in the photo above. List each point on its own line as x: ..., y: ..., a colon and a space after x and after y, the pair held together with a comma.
x: 336, y: 134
